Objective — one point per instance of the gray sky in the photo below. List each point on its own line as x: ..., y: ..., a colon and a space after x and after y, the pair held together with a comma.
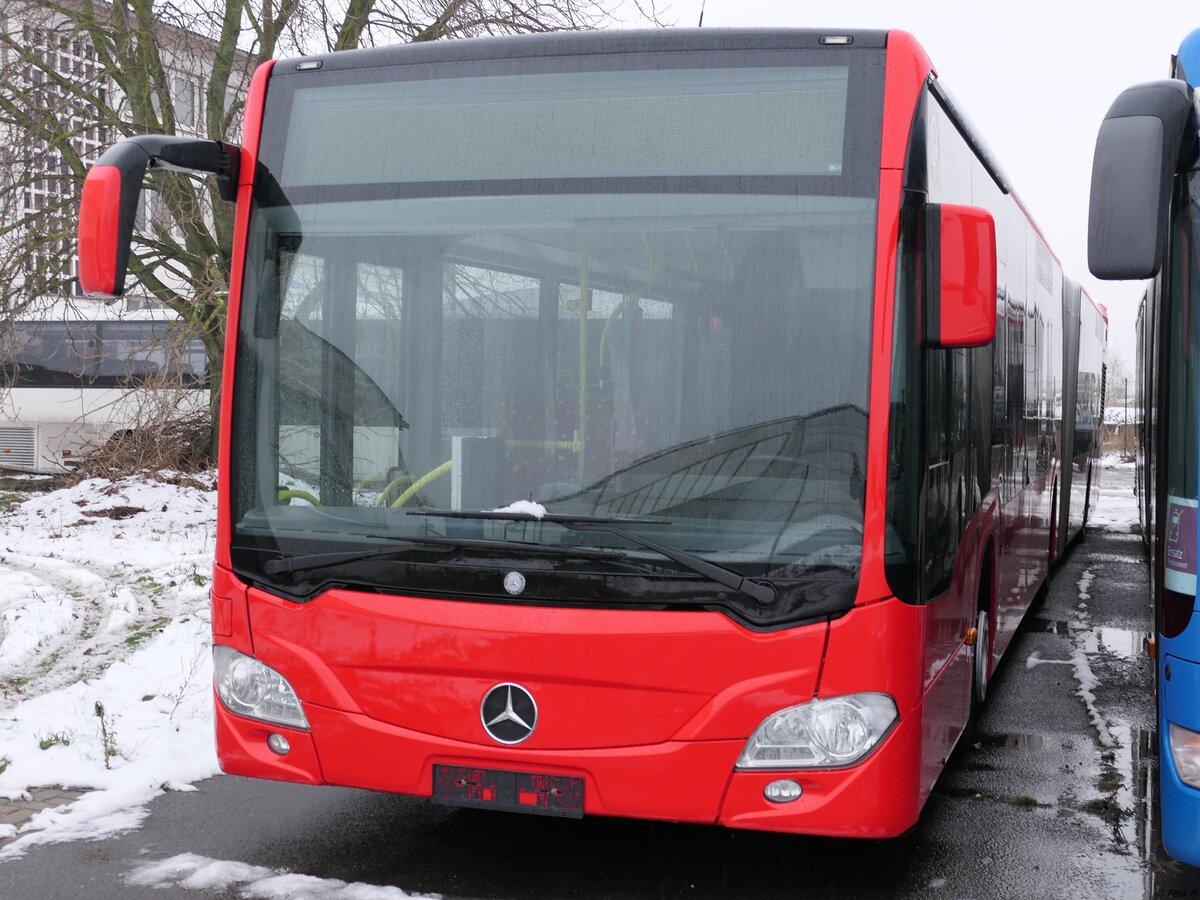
x: 1035, y: 76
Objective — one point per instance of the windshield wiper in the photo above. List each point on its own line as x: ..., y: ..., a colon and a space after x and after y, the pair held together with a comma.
x: 307, y: 561
x: 763, y: 593
x: 508, y: 516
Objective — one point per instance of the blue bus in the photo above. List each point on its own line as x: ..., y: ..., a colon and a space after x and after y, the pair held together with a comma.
x: 1144, y: 222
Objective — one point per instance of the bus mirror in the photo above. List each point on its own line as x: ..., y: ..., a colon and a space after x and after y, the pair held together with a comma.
x: 111, y: 191
x: 960, y: 301
x: 1147, y: 136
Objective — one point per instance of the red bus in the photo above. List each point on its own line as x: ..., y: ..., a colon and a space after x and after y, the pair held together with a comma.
x: 671, y: 425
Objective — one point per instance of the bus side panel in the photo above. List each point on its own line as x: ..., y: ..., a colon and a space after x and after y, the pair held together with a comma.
x: 1071, y: 481
x: 878, y: 647
x: 946, y: 667
x: 1021, y: 559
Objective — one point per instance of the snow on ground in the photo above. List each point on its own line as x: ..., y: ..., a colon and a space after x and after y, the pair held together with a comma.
x: 1122, y: 415
x: 199, y: 873
x: 1117, y: 508
x: 105, y: 666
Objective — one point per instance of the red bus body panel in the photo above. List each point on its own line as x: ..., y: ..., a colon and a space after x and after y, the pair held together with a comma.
x: 602, y: 678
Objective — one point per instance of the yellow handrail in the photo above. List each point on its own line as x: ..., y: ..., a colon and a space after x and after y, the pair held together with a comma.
x: 394, y: 483
x: 545, y: 445
x: 291, y: 493
x: 585, y: 303
x: 416, y: 486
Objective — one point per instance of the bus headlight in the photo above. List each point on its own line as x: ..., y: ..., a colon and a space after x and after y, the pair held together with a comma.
x: 1185, y: 752
x: 249, y: 688
x: 821, y: 734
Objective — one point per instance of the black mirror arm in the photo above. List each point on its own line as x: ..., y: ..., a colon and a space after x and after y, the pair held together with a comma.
x: 190, y: 155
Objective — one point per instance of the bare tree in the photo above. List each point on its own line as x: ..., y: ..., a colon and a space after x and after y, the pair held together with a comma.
x: 77, y: 75
x: 1120, y: 391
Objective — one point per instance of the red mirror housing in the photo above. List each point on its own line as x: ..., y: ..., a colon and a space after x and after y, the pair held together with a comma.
x: 111, y: 190
x: 960, y: 298
x: 103, y: 244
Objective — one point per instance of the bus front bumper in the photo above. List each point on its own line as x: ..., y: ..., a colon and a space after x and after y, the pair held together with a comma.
x: 683, y: 781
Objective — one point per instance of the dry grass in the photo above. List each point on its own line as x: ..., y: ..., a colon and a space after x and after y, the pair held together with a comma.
x: 176, y: 444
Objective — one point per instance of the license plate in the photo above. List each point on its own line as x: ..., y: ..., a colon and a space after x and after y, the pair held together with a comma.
x: 527, y: 792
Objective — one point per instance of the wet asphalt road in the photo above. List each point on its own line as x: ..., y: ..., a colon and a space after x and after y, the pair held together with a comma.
x: 1054, y: 799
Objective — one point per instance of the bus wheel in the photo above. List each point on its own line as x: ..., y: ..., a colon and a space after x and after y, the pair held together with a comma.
x: 979, y: 666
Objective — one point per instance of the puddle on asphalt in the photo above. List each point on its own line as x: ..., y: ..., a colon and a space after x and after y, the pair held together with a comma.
x: 1014, y: 739
x: 1049, y: 626
x: 1123, y: 642
x: 1131, y: 788
x: 1135, y: 559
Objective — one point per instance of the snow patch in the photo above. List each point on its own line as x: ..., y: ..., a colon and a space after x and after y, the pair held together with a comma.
x: 199, y: 873
x: 524, y: 508
x: 1118, y: 461
x: 1035, y: 659
x: 1087, y: 686
x: 1085, y: 582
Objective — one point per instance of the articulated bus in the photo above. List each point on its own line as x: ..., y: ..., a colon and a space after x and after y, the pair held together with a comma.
x: 669, y: 425
x: 74, y: 373
x: 1145, y: 223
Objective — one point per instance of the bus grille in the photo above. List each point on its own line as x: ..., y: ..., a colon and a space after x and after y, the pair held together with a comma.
x: 16, y: 448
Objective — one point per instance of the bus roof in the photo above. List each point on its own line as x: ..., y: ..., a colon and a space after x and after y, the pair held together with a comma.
x: 82, y: 309
x: 1100, y: 307
x: 574, y: 43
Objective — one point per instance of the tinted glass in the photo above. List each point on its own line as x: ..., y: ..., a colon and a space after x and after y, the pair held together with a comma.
x: 744, y: 121
x: 696, y: 354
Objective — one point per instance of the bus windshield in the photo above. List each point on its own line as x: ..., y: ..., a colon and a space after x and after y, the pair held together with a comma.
x: 587, y: 293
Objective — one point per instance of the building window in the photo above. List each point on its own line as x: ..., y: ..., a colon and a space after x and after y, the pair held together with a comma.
x: 51, y: 194
x: 184, y: 95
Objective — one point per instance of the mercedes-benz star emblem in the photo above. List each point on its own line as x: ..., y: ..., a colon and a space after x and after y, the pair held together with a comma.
x: 508, y: 713
x: 514, y: 583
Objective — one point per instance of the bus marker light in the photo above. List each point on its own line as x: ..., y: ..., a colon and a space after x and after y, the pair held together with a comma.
x: 1185, y: 751
x: 308, y: 65
x: 279, y: 744
x: 782, y: 791
x: 837, y: 40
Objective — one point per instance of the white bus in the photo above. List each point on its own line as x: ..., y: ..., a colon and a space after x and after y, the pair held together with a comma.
x: 74, y: 373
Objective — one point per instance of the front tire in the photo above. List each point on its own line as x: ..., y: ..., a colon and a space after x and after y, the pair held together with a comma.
x: 980, y: 658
